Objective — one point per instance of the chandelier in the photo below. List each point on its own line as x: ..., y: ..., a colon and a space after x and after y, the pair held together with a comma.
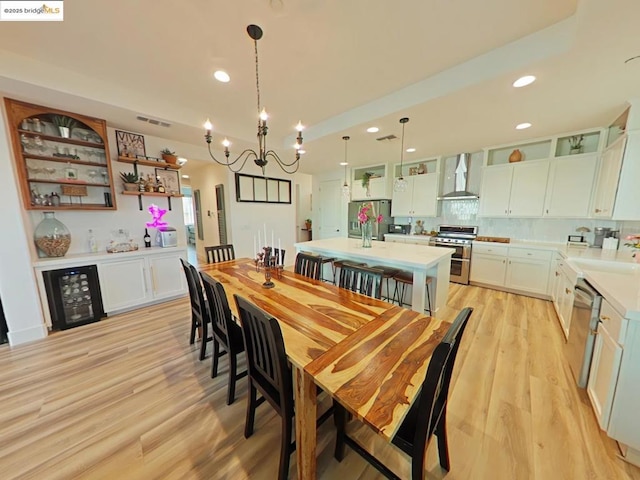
x: 400, y: 184
x: 346, y: 191
x: 262, y: 156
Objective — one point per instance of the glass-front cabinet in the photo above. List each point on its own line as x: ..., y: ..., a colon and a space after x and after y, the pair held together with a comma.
x: 62, y: 158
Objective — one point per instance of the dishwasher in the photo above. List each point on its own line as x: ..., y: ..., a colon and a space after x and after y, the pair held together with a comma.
x: 582, y: 330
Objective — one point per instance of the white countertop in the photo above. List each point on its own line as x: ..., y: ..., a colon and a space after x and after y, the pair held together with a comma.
x: 80, y: 259
x: 412, y: 236
x: 398, y: 254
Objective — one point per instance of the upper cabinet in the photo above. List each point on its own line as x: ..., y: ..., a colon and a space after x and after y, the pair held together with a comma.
x: 62, y: 158
x: 420, y: 197
x: 548, y: 177
x: 626, y: 205
x: 514, y: 190
x: 368, y: 183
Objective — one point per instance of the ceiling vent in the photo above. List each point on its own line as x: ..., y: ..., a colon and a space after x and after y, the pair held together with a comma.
x: 153, y: 121
x: 388, y: 137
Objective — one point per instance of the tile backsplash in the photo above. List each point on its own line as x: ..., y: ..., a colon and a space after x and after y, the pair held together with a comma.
x: 464, y: 212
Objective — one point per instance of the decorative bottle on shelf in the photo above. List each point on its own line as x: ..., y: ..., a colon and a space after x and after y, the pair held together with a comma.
x: 52, y: 237
x: 93, y: 245
x: 515, y: 156
x: 147, y: 238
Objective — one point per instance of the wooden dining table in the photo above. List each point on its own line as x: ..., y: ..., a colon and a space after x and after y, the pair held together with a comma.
x: 369, y: 355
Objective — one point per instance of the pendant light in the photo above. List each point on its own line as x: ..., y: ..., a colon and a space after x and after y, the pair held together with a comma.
x: 346, y: 191
x: 400, y: 184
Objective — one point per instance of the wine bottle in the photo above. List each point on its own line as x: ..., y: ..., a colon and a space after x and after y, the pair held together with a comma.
x: 147, y: 239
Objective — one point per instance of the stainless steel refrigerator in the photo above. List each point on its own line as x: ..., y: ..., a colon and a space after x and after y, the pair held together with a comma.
x: 380, y: 207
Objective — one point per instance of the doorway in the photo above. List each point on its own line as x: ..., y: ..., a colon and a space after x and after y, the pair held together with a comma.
x: 331, y: 208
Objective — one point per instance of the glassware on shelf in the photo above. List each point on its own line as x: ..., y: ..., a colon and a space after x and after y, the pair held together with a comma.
x: 50, y: 171
x: 52, y: 237
x: 105, y: 177
x: 92, y: 174
x: 33, y: 171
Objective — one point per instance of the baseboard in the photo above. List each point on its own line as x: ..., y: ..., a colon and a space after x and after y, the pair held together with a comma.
x: 512, y: 290
x: 27, y: 335
x: 630, y: 455
x: 148, y: 304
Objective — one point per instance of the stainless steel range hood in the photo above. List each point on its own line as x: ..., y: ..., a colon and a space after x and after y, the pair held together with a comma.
x: 460, y: 191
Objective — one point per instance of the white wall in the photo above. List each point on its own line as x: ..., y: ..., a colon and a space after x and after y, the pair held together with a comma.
x: 204, y: 178
x: 17, y: 279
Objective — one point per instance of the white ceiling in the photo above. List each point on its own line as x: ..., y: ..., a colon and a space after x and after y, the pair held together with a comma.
x: 338, y: 66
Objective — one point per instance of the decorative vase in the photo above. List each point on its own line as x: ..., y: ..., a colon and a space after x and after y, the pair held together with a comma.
x: 515, y: 156
x: 367, y: 234
x: 575, y: 151
x: 52, y: 237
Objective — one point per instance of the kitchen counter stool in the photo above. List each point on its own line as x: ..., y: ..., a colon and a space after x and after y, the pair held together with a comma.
x: 402, y: 280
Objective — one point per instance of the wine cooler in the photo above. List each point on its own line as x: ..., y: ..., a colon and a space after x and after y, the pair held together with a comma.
x: 74, y: 296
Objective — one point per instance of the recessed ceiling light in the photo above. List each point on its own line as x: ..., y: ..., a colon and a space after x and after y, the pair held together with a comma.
x: 185, y: 176
x: 411, y: 150
x: 522, y: 126
x: 222, y: 76
x: 342, y: 164
x: 373, y: 129
x: 524, y: 81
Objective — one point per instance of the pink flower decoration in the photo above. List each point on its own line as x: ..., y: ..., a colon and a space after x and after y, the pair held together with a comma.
x: 366, y: 214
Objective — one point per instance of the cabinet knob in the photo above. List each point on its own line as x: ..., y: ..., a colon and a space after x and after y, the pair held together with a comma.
x: 567, y: 291
x: 598, y: 210
x: 506, y: 211
x: 557, y: 274
x: 503, y: 261
x: 604, y: 317
x: 547, y: 210
x: 509, y: 212
x: 529, y: 253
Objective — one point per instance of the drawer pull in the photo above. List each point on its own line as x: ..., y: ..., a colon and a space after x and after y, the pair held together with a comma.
x: 567, y: 291
x: 604, y: 317
x: 529, y: 253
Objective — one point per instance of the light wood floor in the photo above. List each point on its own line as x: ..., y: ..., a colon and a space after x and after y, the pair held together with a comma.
x: 126, y: 398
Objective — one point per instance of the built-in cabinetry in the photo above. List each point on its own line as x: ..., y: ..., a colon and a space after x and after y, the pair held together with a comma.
x: 626, y: 205
x: 420, y: 198
x: 516, y: 190
x: 62, y: 158
x: 376, y: 184
x: 562, y: 291
x: 551, y: 179
x: 605, y: 363
x: 132, y: 282
x: 127, y: 280
x: 604, y: 195
x: 522, y: 270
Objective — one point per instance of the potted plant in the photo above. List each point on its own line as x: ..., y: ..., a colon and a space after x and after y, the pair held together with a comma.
x: 366, y: 176
x: 130, y: 180
x: 307, y: 224
x: 169, y: 156
x: 64, y: 124
x: 575, y: 144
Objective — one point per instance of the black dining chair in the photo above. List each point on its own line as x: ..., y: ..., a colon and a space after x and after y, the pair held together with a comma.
x: 269, y: 374
x: 199, y: 312
x: 308, y: 265
x: 220, y: 253
x: 203, y: 308
x: 275, y: 257
x: 427, y: 415
x: 227, y: 334
x: 364, y: 280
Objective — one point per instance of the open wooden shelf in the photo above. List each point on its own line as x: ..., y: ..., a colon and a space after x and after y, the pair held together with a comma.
x: 152, y: 194
x: 64, y: 160
x: 149, y: 163
x: 55, y: 138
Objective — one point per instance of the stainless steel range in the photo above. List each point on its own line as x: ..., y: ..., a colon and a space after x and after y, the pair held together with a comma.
x: 459, y: 237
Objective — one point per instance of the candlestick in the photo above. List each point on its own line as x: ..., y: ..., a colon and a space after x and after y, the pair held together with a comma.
x: 280, y: 256
x: 273, y: 244
x: 265, y: 235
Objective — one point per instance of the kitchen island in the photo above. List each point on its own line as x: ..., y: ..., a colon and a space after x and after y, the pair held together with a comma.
x: 422, y: 261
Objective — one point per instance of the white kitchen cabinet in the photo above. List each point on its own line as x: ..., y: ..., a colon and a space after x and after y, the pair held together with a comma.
x: 529, y: 275
x: 419, y: 199
x: 124, y: 283
x: 569, y: 186
x: 626, y: 205
x: 513, y: 269
x: 167, y: 276
x: 605, y: 365
x: 604, y: 196
x: 132, y: 282
x: 378, y: 184
x: 489, y: 264
x: 514, y: 190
